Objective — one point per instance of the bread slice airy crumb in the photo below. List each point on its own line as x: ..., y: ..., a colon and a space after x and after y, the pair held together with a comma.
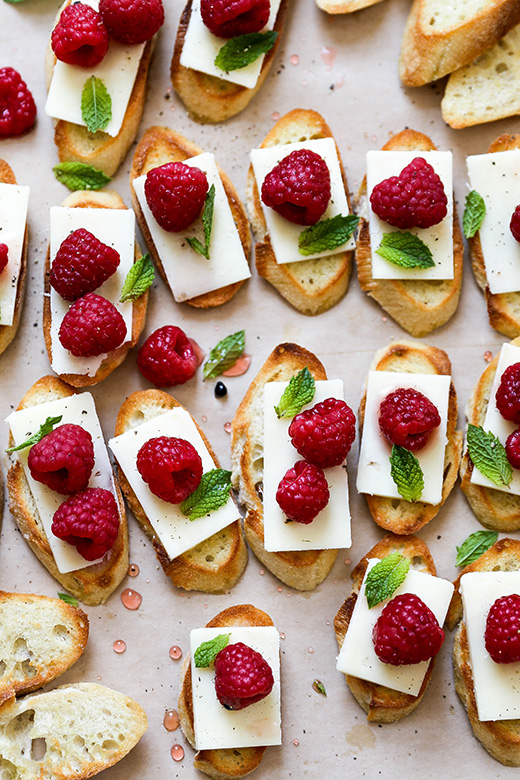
x: 8, y: 332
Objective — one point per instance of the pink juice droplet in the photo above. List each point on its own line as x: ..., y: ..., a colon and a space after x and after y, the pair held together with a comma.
x: 119, y: 646
x: 133, y: 570
x: 488, y: 356
x: 199, y: 353
x: 294, y: 59
x: 175, y: 652
x: 275, y: 116
x: 227, y: 427
x: 328, y: 55
x: 204, y: 418
x: 177, y: 752
x: 131, y: 599
x: 296, y: 742
x: 171, y: 720
x: 282, y: 635
x: 239, y: 367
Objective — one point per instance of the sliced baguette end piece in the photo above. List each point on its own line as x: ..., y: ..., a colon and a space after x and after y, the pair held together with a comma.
x: 8, y: 332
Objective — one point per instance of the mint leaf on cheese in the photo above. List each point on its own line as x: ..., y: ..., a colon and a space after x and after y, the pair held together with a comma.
x: 225, y: 354
x: 406, y: 250
x: 68, y: 599
x: 474, y: 213
x: 138, y: 279
x: 96, y: 105
x: 299, y: 391
x: 206, y: 653
x: 207, y: 221
x: 474, y: 546
x: 45, y: 428
x: 406, y: 472
x: 385, y: 577
x: 80, y: 176
x: 327, y: 234
x: 244, y: 49
x: 212, y: 492
x: 489, y: 455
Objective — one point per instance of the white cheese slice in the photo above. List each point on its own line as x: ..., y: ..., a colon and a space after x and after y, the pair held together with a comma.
x: 282, y: 233
x: 374, y: 475
x: 357, y: 656
x: 497, y: 178
x: 330, y: 530
x: 80, y: 410
x: 439, y: 238
x: 188, y: 273
x: 117, y: 71
x: 201, y: 47
x: 114, y: 227
x: 14, y: 201
x: 176, y: 532
x: 258, y: 724
x: 497, y: 686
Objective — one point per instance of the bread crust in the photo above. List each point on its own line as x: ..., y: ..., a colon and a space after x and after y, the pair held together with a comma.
x: 8, y: 332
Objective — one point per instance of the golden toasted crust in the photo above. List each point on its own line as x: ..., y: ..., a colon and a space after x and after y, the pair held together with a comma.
x: 8, y: 332
x: 158, y: 146
x: 419, y: 306
x: 400, y: 516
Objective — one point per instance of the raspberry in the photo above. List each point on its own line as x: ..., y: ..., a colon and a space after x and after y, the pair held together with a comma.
x: 515, y: 223
x: 89, y: 521
x: 63, y: 460
x: 502, y: 634
x: 132, y: 21
x: 508, y: 394
x: 415, y: 198
x: 167, y: 357
x: 228, y: 18
x: 242, y: 676
x: 4, y: 256
x: 324, y: 434
x: 298, y: 187
x: 171, y: 467
x: 407, y: 418
x: 17, y: 107
x: 82, y: 264
x: 175, y: 193
x: 92, y: 326
x: 406, y: 632
x: 80, y: 37
x: 303, y: 492
x: 513, y: 449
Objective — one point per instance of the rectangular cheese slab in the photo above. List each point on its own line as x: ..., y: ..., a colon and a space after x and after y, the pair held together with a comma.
x: 497, y: 686
x: 114, y: 227
x: 282, y: 233
x: 357, y: 656
x: 201, y: 47
x: 14, y: 201
x: 176, y: 532
x: 80, y: 410
x: 439, y: 238
x: 190, y: 274
x: 374, y: 475
x: 258, y: 724
x: 330, y: 530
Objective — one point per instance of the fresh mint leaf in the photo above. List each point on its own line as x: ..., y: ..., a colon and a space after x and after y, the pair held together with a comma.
x: 406, y: 472
x: 318, y: 686
x: 406, y: 250
x: 474, y: 546
x: 68, y: 599
x: 45, y: 428
x: 327, y: 234
x: 139, y: 278
x: 80, y: 176
x: 225, y: 354
x: 489, y: 455
x: 96, y: 105
x: 212, y: 493
x: 206, y: 653
x: 299, y: 391
x: 207, y: 221
x: 244, y: 49
x: 385, y: 577
x: 474, y: 213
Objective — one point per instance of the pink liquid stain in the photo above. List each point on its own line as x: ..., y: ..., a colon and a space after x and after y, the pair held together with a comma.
x: 227, y: 427
x: 133, y: 570
x: 177, y: 752
x: 119, y: 646
x: 239, y: 367
x: 171, y: 720
x: 488, y: 356
x: 275, y: 116
x: 199, y: 353
x: 339, y: 82
x: 328, y: 55
x: 294, y: 59
x: 131, y: 599
x: 175, y: 652
x: 296, y: 742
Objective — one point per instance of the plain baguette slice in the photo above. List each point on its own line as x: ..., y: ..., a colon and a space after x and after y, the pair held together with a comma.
x: 419, y: 306
x: 160, y: 145
x: 8, y: 332
x: 94, y: 584
x: 345, y: 7
x: 407, y: 356
x: 311, y: 286
x: 214, y: 565
x: 304, y: 569
x: 382, y: 704
x: 221, y: 763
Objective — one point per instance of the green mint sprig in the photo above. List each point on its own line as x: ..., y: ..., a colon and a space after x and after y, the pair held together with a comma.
x: 80, y: 176
x: 407, y: 474
x: 211, y: 493
x: 224, y: 355
x: 244, y: 49
x: 207, y: 221
x: 68, y: 599
x: 138, y: 279
x: 206, y: 653
x: 96, y: 105
x: 405, y: 250
x: 385, y: 577
x: 474, y: 213
x: 489, y: 455
x: 299, y: 391
x: 45, y: 428
x: 327, y: 234
x: 474, y: 546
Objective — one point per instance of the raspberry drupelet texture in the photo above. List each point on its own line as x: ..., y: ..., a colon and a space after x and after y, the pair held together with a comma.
x: 17, y: 107
x: 89, y: 521
x: 64, y: 459
x: 324, y: 434
x: 175, y: 193
x: 4, y: 256
x: 132, y: 21
x: 171, y: 467
x: 242, y: 676
x: 303, y: 492
x: 228, y: 18
x: 80, y: 37
x: 415, y: 198
x: 407, y: 418
x: 514, y: 225
x: 91, y: 327
x: 167, y: 357
x: 502, y: 634
x: 513, y: 449
x: 406, y: 632
x: 82, y: 264
x: 298, y: 187
x: 507, y: 396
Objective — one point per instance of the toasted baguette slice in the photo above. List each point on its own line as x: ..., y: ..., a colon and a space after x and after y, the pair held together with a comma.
x: 160, y: 145
x: 225, y: 762
x: 418, y: 306
x: 84, y: 200
x: 345, y: 7
x: 440, y: 37
x: 305, y: 569
x: 40, y: 638
x: 397, y: 515
x: 382, y: 704
x: 8, y: 332
x: 94, y: 584
x: 81, y: 729
x: 209, y: 99
x: 311, y: 286
x: 214, y: 565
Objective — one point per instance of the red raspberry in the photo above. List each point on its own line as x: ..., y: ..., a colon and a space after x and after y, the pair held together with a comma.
x: 508, y: 394
x: 407, y: 418
x: 89, y: 521
x: 167, y: 357
x: 171, y: 467
x: 80, y: 37
x: 82, y: 264
x: 4, y: 256
x: 303, y: 492
x: 17, y: 107
x: 175, y: 193
x: 298, y: 187
x: 406, y: 632
x: 228, y: 18
x: 515, y: 223
x: 242, y: 676
x: 513, y: 449
x: 502, y: 634
x: 415, y: 198
x: 132, y: 21
x: 324, y: 434
x: 63, y: 460
x: 92, y: 326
